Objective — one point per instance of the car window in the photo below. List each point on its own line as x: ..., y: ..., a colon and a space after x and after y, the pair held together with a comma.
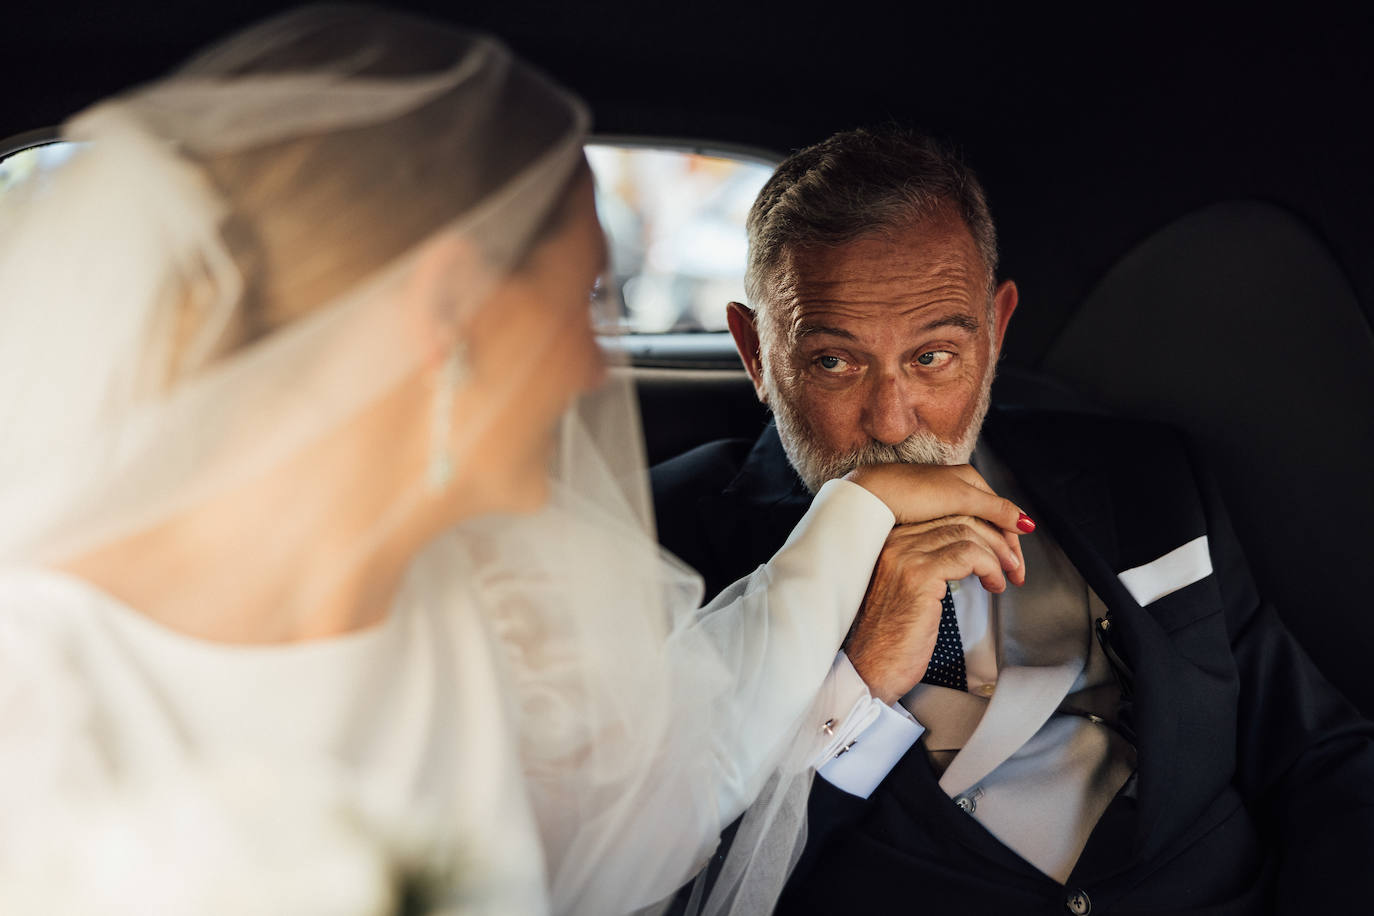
x: 674, y: 219
x: 21, y: 162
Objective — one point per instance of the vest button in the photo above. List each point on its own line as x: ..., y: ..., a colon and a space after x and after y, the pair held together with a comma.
x: 1077, y: 902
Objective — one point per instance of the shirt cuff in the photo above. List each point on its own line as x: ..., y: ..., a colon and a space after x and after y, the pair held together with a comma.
x: 867, y: 737
x: 848, y: 508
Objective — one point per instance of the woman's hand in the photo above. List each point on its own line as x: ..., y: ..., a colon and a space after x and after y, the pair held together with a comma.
x: 920, y: 493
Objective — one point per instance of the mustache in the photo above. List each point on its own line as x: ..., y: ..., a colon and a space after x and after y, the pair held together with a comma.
x: 918, y: 448
x: 815, y: 464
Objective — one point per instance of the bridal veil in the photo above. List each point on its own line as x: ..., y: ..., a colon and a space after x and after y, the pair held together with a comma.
x: 167, y: 339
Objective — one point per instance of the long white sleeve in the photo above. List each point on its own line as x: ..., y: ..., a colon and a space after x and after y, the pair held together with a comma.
x: 781, y: 628
x: 745, y: 670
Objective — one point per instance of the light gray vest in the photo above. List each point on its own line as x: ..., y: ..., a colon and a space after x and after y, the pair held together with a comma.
x: 1039, y: 760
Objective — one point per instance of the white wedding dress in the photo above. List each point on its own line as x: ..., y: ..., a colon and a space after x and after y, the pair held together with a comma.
x: 545, y: 721
x: 147, y: 771
x: 408, y: 720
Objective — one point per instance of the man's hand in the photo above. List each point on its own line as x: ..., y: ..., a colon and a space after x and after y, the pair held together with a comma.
x: 894, y: 634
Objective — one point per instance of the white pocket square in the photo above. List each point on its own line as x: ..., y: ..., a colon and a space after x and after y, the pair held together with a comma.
x: 1179, y: 567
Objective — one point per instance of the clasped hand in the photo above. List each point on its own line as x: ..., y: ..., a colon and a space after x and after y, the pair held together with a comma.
x: 950, y: 525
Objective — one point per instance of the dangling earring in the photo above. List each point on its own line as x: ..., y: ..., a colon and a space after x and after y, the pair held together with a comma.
x: 441, y: 418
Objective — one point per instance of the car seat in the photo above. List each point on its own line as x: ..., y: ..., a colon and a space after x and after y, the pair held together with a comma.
x: 1237, y: 325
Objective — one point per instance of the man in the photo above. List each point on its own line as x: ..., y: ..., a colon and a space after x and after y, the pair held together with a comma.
x: 1105, y: 719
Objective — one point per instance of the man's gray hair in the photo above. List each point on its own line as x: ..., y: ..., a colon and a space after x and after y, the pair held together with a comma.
x: 855, y: 184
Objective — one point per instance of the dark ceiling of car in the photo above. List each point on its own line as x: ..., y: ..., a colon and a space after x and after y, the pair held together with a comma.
x: 1090, y: 129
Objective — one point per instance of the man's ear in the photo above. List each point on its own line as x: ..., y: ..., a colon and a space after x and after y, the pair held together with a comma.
x: 744, y: 329
x: 1003, y: 304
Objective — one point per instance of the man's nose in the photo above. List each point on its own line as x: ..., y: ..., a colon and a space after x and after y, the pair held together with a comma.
x: 889, y: 414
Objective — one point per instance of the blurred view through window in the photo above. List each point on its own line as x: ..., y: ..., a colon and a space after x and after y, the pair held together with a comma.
x: 674, y: 220
x: 675, y: 223
x: 32, y: 163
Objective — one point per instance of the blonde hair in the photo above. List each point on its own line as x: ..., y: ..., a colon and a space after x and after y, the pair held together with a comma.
x: 310, y: 217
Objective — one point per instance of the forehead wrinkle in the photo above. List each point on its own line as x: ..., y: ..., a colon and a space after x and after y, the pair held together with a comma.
x: 940, y: 271
x: 947, y: 280
x: 800, y: 302
x: 962, y: 321
x: 802, y: 328
x: 812, y: 312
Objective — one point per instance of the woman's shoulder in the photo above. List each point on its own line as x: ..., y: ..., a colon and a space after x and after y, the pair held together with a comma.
x: 44, y: 605
x: 45, y: 690
x: 49, y: 633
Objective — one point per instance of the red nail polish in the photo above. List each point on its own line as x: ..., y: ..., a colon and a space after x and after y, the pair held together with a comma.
x: 1025, y: 523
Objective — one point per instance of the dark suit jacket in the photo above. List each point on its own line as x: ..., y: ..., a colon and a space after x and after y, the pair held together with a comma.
x: 1255, y: 784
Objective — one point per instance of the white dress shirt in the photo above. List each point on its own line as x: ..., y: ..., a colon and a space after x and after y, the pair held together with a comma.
x: 417, y: 718
x: 1031, y: 751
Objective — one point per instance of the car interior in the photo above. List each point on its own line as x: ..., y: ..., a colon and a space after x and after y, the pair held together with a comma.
x: 1183, y: 196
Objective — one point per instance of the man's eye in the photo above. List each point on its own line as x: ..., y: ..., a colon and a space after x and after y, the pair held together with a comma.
x: 831, y: 363
x: 934, y: 358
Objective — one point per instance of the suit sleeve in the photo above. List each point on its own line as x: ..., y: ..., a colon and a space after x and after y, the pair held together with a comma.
x: 1305, y: 757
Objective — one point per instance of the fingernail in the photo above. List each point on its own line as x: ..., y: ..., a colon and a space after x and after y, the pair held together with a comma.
x: 1025, y: 523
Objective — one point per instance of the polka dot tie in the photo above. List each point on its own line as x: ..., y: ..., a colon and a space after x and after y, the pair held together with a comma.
x: 946, y: 667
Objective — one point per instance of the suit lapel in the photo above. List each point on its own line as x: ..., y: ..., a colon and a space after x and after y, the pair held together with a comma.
x: 1026, y: 697
x: 1111, y: 509
x: 763, y: 503
x: 1113, y: 502
x: 1042, y: 647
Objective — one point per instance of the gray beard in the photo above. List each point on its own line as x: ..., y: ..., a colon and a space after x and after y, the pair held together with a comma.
x: 815, y: 465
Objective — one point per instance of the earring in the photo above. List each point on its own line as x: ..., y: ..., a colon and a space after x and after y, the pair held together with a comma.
x: 441, y: 418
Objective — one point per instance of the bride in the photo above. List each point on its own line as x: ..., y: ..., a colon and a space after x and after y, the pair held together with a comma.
x: 328, y: 580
